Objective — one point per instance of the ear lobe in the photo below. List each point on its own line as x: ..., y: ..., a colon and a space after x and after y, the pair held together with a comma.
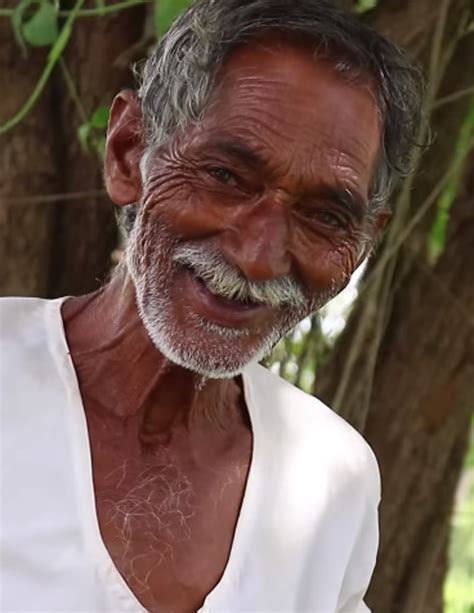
x: 377, y: 227
x: 380, y: 222
x: 124, y: 149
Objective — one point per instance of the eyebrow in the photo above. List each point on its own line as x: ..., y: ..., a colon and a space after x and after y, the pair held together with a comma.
x: 353, y: 201
x: 350, y: 199
x: 239, y: 151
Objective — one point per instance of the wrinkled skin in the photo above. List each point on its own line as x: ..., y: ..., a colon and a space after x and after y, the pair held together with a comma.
x: 263, y: 180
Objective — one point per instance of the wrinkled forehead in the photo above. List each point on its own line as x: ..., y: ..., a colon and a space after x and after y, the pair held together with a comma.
x: 282, y: 94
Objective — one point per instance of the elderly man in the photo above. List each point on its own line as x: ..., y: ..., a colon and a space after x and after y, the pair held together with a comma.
x: 152, y: 463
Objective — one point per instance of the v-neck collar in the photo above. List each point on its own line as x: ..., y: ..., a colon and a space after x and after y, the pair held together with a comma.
x: 86, y: 495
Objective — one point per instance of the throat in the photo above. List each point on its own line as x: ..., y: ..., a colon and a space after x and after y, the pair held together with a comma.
x: 195, y: 405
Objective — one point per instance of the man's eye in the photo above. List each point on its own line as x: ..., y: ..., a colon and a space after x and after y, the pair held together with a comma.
x: 331, y: 219
x: 223, y: 175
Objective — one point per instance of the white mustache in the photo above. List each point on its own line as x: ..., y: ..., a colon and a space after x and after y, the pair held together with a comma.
x: 225, y: 280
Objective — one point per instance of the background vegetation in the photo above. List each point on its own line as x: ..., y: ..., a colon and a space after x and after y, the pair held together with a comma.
x: 394, y: 355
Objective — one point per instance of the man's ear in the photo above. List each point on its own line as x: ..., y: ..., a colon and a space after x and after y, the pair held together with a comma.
x: 124, y: 149
x: 376, y: 230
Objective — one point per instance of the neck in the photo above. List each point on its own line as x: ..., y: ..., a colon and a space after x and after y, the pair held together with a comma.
x: 122, y: 375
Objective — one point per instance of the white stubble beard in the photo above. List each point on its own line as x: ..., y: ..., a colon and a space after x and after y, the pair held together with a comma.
x: 149, y: 260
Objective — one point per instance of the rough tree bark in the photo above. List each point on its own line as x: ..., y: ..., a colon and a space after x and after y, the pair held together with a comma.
x: 85, y: 231
x: 52, y: 248
x: 421, y: 390
x: 27, y: 167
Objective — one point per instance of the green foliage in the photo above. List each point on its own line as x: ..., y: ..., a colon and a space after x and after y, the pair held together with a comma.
x: 470, y: 457
x: 363, y: 6
x: 469, y: 462
x: 166, y: 12
x: 299, y: 355
x: 91, y: 133
x: 17, y: 22
x: 459, y: 585
x: 41, y: 30
x: 100, y: 4
x: 437, y: 237
x: 53, y: 57
x: 35, y: 22
x: 100, y: 117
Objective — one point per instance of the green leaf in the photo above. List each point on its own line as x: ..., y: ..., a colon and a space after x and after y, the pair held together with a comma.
x: 91, y: 134
x: 100, y: 118
x: 53, y: 56
x: 166, y: 12
x: 99, y: 146
x: 469, y: 461
x: 438, y: 233
x: 17, y: 21
x: 363, y: 6
x: 41, y: 30
x: 83, y: 133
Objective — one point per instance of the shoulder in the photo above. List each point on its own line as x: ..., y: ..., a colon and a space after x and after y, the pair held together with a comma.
x: 15, y: 311
x: 18, y: 315
x: 315, y: 432
x: 28, y: 326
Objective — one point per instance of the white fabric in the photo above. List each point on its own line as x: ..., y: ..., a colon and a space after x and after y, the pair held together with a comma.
x: 306, y: 537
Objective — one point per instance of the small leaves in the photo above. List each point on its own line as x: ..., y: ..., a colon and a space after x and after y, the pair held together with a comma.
x: 91, y: 134
x: 17, y: 22
x: 100, y: 118
x: 83, y: 135
x: 42, y: 29
x: 53, y: 56
x: 35, y: 22
x: 166, y: 12
x: 363, y: 6
x: 438, y: 234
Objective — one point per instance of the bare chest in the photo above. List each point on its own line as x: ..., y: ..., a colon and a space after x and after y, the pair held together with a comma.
x: 169, y: 525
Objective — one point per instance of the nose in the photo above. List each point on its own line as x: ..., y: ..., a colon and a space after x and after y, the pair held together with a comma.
x: 258, y: 243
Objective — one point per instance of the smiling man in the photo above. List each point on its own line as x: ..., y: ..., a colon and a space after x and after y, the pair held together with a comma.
x: 152, y: 464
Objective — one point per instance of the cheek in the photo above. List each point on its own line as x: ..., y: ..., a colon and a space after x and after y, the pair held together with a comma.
x: 328, y: 266
x: 144, y: 245
x: 182, y: 203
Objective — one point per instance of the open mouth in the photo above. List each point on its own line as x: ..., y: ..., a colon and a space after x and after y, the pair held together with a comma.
x: 231, y: 302
x: 245, y: 303
x: 213, y: 307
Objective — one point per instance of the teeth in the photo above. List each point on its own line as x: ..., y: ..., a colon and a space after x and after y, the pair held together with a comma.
x: 230, y: 298
x: 247, y: 300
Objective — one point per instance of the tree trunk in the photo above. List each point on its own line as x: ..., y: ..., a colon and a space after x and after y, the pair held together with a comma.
x: 53, y: 247
x: 414, y: 368
x: 85, y: 233
x: 27, y: 167
x: 419, y: 421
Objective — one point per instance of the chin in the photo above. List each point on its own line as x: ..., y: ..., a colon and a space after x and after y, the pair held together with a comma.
x: 185, y: 334
x: 209, y: 350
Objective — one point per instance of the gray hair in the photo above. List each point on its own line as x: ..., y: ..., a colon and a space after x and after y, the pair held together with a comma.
x: 178, y: 79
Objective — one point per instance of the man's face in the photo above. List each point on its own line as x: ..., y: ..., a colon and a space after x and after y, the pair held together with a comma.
x: 256, y: 216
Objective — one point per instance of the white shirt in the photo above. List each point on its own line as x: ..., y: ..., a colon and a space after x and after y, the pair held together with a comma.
x: 306, y: 537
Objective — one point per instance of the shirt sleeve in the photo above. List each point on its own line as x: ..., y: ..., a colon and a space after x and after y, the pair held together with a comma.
x: 363, y: 557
